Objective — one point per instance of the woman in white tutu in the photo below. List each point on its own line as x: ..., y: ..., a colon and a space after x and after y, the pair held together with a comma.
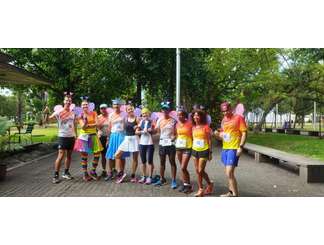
x: 130, y: 144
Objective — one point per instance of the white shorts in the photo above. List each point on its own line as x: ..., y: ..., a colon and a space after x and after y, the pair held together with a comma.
x: 130, y: 144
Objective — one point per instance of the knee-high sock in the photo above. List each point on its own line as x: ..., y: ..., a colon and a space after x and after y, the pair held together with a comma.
x: 95, y: 161
x: 84, y: 161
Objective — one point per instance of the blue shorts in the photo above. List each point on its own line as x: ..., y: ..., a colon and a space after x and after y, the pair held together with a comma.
x: 229, y: 158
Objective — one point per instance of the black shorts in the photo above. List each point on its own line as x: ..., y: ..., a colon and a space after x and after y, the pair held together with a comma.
x: 167, y: 150
x: 146, y: 153
x: 65, y: 143
x: 201, y: 154
x: 184, y: 151
x: 103, y: 140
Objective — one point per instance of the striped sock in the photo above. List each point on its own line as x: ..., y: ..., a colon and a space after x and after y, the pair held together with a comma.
x: 95, y: 161
x: 84, y: 162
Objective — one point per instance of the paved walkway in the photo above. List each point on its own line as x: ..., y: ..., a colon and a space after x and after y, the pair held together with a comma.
x: 34, y: 179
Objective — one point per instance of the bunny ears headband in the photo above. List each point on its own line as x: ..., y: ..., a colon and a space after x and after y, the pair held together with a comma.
x: 84, y: 98
x: 68, y: 94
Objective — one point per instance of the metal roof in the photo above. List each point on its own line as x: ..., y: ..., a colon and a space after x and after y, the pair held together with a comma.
x: 12, y: 74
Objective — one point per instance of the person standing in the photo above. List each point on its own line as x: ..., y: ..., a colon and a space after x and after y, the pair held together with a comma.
x: 103, y: 133
x: 117, y: 136
x: 183, y: 148
x: 67, y: 132
x: 146, y: 147
x: 88, y: 141
x: 129, y: 144
x: 233, y: 133
x: 165, y: 126
x: 201, y: 150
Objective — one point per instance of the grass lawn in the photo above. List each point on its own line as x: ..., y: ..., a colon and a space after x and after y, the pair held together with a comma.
x: 298, y: 144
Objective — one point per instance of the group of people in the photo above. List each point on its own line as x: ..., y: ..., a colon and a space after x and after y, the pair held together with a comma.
x: 114, y: 137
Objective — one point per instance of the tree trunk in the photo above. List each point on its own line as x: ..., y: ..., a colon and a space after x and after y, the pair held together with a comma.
x: 138, y: 97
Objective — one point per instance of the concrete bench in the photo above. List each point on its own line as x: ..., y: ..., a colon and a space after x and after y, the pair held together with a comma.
x: 310, y: 170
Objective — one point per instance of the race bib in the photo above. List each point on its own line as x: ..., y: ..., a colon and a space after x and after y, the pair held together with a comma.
x: 165, y: 142
x: 84, y: 137
x: 181, y: 143
x: 198, y: 143
x: 117, y: 127
x: 226, y: 137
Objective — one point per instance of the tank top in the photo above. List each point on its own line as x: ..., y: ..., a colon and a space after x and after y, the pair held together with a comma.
x: 130, y: 131
x: 91, y: 118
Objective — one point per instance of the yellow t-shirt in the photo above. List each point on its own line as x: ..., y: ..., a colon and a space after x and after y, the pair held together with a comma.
x: 232, y: 129
x: 200, y: 135
x: 91, y: 118
x: 184, y: 135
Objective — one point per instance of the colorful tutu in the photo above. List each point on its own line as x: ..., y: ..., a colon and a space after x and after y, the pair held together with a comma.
x: 88, y: 143
x: 130, y: 144
x: 115, y: 141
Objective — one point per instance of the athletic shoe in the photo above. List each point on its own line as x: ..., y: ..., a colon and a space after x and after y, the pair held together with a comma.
x: 155, y: 179
x: 133, y: 180
x: 174, y: 184
x: 86, y: 177
x: 142, y: 180
x: 148, y: 181
x: 121, y: 178
x: 67, y: 176
x: 109, y: 177
x: 160, y: 182
x: 209, y: 190
x: 93, y: 175
x: 228, y: 194
x: 103, y: 174
x: 200, y: 193
x: 188, y: 189
x: 182, y: 188
x: 56, y: 180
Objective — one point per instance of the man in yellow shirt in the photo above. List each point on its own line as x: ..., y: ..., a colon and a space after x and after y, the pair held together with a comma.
x: 233, y: 134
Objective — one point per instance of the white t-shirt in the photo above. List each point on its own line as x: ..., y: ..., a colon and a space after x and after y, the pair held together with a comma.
x: 146, y: 137
x: 65, y: 122
x: 167, y: 130
x: 117, y: 122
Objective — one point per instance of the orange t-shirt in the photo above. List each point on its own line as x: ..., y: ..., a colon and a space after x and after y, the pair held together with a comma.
x: 200, y: 135
x: 91, y: 118
x: 232, y: 129
x: 184, y: 135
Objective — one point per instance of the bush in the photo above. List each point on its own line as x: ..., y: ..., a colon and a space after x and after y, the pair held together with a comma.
x: 4, y: 125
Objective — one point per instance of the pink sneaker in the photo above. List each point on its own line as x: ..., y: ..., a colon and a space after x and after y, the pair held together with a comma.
x: 133, y: 180
x: 121, y: 178
x: 148, y: 181
x: 142, y: 180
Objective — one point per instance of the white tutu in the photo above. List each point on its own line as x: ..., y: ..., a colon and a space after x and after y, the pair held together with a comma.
x: 130, y: 144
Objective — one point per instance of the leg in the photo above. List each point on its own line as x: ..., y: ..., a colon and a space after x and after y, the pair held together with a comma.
x: 232, y: 183
x: 179, y: 156
x: 57, y: 164
x: 162, y: 165
x: 143, y: 150
x: 202, y: 166
x: 172, y: 161
x: 184, y: 166
x: 150, y: 159
x: 68, y: 158
x: 103, y: 160
x: 84, y: 165
x: 111, y: 165
x: 196, y: 162
x: 134, y: 163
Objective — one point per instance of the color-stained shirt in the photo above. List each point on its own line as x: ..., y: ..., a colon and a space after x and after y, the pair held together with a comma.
x: 232, y: 129
x: 91, y: 118
x: 117, y: 122
x: 184, y: 135
x: 167, y: 130
x: 65, y: 120
x: 104, y: 122
x: 200, y: 136
x: 146, y: 137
